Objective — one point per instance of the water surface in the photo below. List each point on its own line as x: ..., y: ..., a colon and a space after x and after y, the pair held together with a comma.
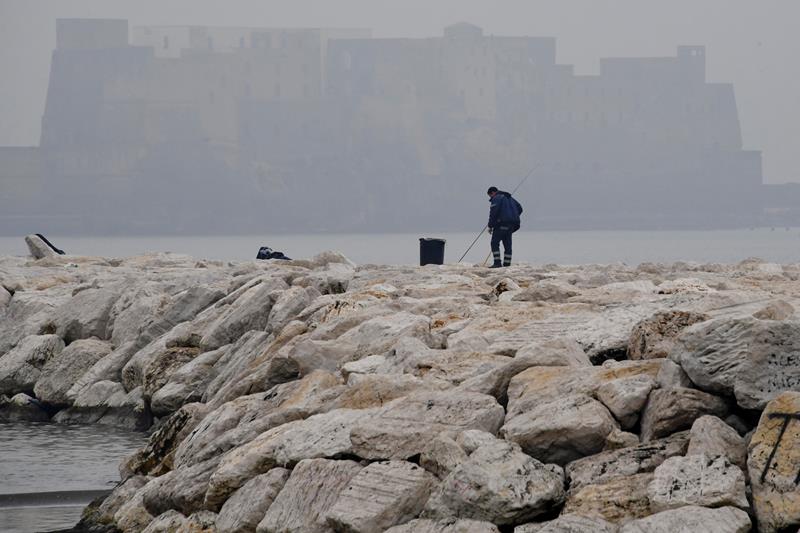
x: 565, y: 247
x: 49, y: 472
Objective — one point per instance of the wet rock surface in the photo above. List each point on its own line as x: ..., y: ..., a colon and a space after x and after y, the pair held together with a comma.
x: 318, y: 395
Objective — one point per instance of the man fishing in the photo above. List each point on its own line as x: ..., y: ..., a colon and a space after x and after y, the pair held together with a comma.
x: 504, y: 213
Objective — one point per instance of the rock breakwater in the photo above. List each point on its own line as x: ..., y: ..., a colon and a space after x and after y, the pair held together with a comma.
x: 303, y: 396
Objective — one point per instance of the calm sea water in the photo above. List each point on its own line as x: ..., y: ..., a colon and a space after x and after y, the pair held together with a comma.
x: 566, y: 247
x: 49, y: 472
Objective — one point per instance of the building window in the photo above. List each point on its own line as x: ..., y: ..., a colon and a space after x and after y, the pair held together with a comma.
x: 166, y: 42
x: 211, y: 97
x: 210, y: 42
x: 241, y: 42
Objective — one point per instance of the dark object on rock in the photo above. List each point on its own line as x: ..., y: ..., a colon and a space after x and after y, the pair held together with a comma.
x: 268, y: 253
x: 431, y: 251
x: 50, y: 244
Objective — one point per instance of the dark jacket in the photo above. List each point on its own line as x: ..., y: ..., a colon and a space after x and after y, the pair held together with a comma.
x: 504, y: 211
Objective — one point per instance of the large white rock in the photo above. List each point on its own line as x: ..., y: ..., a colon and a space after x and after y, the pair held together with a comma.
x: 182, y: 489
x: 755, y: 360
x: 85, y: 315
x: 774, y: 464
x: 451, y: 525
x: 625, y: 397
x: 248, y: 505
x: 692, y: 518
x: 381, y: 495
x: 442, y: 455
x: 697, y: 480
x: 186, y: 384
x: 714, y: 438
x: 250, y: 311
x: 61, y: 372
x: 676, y: 409
x: 168, y: 522
x: 288, y: 305
x: 313, y: 488
x: 321, y: 436
x: 21, y: 367
x: 639, y: 459
x: 654, y: 337
x: 38, y: 248
x: 498, y: 483
x: 561, y: 430
x: 569, y: 523
x: 616, y: 500
x: 404, y: 427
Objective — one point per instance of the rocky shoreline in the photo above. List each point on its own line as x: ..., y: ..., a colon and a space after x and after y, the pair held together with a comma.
x: 317, y: 395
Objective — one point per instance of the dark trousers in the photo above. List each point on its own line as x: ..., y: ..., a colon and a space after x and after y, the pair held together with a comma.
x: 504, y: 236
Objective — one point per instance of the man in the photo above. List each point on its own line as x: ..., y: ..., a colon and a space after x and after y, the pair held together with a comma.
x: 504, y: 213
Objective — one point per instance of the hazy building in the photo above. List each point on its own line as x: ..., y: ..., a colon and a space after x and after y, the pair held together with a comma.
x: 196, y: 129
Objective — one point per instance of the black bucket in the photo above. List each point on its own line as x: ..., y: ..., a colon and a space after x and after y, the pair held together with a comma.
x: 431, y: 251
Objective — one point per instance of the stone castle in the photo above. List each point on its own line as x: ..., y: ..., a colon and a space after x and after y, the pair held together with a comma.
x: 215, y: 130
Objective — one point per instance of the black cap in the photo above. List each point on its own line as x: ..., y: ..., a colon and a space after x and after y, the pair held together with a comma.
x: 491, y: 190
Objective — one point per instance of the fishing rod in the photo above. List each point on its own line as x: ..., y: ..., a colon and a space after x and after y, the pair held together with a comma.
x: 528, y: 175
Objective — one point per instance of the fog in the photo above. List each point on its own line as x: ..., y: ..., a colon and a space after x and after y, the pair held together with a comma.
x: 379, y: 134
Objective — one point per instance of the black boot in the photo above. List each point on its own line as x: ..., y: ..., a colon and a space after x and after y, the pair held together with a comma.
x: 507, y: 260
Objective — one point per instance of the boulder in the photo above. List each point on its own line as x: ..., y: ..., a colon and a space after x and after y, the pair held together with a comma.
x: 654, y: 337
x: 158, y: 370
x: 442, y: 455
x: 676, y: 409
x: 107, y: 403
x: 200, y: 522
x: 672, y: 375
x: 106, y: 369
x: 714, y: 438
x: 776, y: 310
x: 561, y: 430
x: 21, y: 408
x: 288, y: 305
x: 132, y: 516
x: 85, y: 315
x: 186, y: 384
x: 325, y: 435
x: 616, y: 500
x: 625, y: 397
x: 121, y: 494
x: 754, y: 360
x: 157, y: 456
x: 558, y: 352
x: 404, y: 427
x: 21, y: 367
x: 311, y: 491
x: 380, y: 496
x: 774, y: 465
x: 168, y: 522
x: 5, y: 297
x: 250, y: 311
x: 61, y: 372
x: 498, y: 483
x: 561, y: 351
x: 697, y: 480
x: 451, y: 525
x: 619, y: 439
x: 692, y: 518
x: 569, y: 523
x: 248, y: 505
x: 38, y: 248
x: 639, y: 459
x: 182, y: 489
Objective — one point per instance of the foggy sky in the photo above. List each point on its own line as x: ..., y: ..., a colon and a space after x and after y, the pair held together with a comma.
x: 752, y: 44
